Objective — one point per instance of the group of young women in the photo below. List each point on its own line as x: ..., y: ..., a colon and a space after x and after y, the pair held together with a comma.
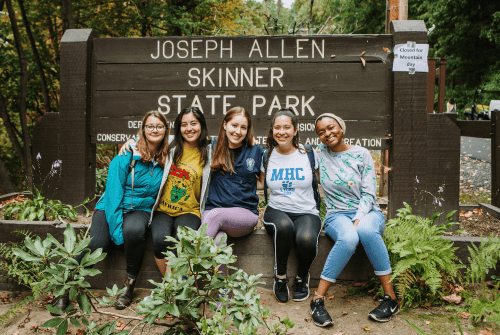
x: 186, y: 179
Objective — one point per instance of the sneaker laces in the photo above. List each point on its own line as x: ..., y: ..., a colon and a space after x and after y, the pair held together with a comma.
x: 281, y: 284
x: 320, y: 307
x: 385, y: 304
x: 300, y: 285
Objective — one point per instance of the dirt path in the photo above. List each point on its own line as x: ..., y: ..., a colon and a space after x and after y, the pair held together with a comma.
x: 349, y: 314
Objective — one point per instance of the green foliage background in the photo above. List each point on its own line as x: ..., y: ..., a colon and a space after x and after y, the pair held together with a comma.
x: 466, y: 32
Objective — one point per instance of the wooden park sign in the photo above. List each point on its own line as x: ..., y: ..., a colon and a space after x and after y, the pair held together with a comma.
x: 310, y: 74
x: 107, y: 84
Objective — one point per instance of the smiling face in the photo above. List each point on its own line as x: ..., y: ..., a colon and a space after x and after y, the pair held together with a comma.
x: 156, y: 135
x: 284, y: 131
x: 330, y: 133
x: 236, y: 130
x: 190, y: 130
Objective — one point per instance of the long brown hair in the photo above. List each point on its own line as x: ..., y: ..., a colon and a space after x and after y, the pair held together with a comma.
x: 222, y: 159
x: 271, y: 143
x: 142, y: 144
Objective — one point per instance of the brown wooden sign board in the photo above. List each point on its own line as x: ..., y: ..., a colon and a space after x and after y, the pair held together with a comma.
x: 311, y: 74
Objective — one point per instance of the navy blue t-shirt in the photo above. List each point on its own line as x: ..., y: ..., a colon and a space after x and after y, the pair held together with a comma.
x: 237, y: 189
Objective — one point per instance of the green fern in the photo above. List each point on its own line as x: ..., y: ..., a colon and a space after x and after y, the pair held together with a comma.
x: 416, y: 246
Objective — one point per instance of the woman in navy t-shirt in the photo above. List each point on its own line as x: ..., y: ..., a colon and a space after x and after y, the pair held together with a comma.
x: 231, y: 206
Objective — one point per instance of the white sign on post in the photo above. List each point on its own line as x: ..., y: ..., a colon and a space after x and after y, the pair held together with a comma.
x: 410, y: 57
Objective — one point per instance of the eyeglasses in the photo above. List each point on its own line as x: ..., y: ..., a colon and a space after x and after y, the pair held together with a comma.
x: 159, y: 127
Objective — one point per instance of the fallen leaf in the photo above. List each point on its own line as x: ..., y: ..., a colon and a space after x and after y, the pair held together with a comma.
x: 16, y: 333
x: 362, y: 53
x: 307, y: 320
x: 393, y: 326
x: 277, y: 315
x: 264, y: 302
x: 477, y: 211
x: 459, y: 289
x: 330, y: 297
x: 453, y: 298
x: 5, y: 298
x: 387, y: 49
x: 490, y: 329
x: 338, y: 334
x: 349, y: 300
x: 80, y: 332
x: 344, y: 313
x: 359, y: 284
x: 462, y: 213
x: 169, y: 317
x: 281, y: 304
x: 427, y: 322
x: 465, y: 315
x: 485, y: 332
x: 367, y: 328
x: 363, y: 61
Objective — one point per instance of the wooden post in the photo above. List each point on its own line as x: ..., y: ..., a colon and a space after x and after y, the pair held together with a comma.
x: 387, y: 17
x: 403, y: 10
x: 394, y: 10
x: 442, y: 83
x: 76, y: 150
x: 409, y: 145
x: 495, y: 157
x: 431, y: 84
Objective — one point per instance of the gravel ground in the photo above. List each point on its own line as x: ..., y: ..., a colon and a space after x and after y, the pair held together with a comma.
x: 475, y: 175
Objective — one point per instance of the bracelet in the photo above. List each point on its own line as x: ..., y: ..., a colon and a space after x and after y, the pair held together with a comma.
x: 321, y: 296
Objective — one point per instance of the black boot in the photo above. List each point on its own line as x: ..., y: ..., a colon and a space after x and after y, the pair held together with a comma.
x: 125, y: 299
x: 61, y: 303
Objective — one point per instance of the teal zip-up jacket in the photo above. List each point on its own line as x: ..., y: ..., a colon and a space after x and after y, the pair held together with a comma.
x: 118, y: 197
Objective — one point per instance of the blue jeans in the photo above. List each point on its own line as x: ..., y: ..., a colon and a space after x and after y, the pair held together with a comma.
x: 340, y: 228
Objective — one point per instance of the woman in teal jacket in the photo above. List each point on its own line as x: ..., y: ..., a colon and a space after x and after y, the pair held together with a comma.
x: 123, y: 213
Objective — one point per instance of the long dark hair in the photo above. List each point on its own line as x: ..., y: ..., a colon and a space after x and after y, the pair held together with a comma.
x: 271, y: 143
x: 203, y: 141
x: 142, y: 144
x: 222, y: 159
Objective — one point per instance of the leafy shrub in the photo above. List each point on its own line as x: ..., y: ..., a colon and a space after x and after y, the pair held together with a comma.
x: 422, y: 261
x: 187, y: 293
x: 101, y: 175
x: 40, y: 209
x: 195, y: 281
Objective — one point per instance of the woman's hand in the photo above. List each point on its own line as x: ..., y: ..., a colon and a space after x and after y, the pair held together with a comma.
x: 126, y: 147
x: 356, y: 223
x: 260, y: 181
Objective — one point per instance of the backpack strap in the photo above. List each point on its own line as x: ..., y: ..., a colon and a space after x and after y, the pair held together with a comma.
x: 312, y: 161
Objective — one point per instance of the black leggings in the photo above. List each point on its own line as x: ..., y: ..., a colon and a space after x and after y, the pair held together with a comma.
x: 135, y: 225
x: 300, y: 230
x: 165, y: 225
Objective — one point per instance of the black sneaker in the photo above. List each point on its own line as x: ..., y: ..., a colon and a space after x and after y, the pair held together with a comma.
x: 384, y: 312
x: 320, y: 314
x: 301, y: 289
x: 280, y: 289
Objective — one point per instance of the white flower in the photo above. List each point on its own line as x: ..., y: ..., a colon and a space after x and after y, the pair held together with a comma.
x: 38, y: 157
x: 56, y: 164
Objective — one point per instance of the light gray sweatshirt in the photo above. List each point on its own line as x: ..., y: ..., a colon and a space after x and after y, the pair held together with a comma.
x: 348, y: 180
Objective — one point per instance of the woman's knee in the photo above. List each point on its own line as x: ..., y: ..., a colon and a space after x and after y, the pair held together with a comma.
x: 367, y: 233
x: 348, y: 242
x: 134, y: 233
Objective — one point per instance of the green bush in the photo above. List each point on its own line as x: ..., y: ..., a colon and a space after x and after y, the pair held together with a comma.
x: 41, y: 209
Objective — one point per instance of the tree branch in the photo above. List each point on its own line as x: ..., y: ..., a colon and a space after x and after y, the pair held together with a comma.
x: 11, y: 130
x: 45, y: 92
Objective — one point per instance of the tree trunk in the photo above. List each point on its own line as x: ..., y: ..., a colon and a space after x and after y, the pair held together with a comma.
x: 45, y: 91
x: 22, y: 97
x: 67, y: 15
x: 53, y: 38
x: 310, y: 17
x: 1, y: 5
x: 5, y: 183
